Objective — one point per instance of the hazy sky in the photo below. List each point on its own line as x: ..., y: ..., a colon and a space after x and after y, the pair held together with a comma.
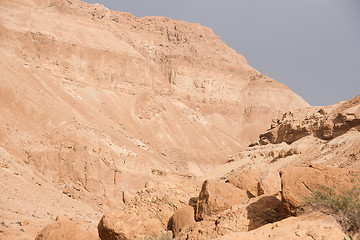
x: 312, y: 46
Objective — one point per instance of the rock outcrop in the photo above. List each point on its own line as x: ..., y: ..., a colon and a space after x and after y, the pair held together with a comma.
x: 299, y: 182
x: 325, y: 123
x: 100, y: 110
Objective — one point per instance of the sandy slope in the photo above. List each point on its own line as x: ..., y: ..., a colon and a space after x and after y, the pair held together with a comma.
x: 96, y: 104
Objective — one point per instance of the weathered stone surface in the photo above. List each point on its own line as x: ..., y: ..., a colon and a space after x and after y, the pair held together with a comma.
x: 315, y: 226
x: 64, y: 229
x: 258, y: 212
x: 335, y: 121
x: 120, y: 225
x: 297, y: 182
x: 216, y: 197
x: 181, y: 219
x: 269, y: 183
x: 199, y: 231
x: 247, y: 180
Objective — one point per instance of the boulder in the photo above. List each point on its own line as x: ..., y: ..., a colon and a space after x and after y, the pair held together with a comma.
x: 258, y: 212
x: 216, y: 197
x: 315, y: 226
x: 247, y: 180
x: 64, y: 229
x: 297, y: 182
x: 182, y: 218
x: 120, y: 225
x: 269, y: 183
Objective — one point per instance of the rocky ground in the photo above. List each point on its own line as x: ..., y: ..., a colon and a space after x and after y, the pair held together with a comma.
x: 124, y: 127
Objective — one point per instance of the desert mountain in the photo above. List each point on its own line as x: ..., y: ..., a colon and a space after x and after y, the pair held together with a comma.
x: 102, y: 109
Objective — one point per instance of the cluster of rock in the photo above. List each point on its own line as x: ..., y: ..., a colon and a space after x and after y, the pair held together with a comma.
x: 325, y: 123
x: 266, y: 205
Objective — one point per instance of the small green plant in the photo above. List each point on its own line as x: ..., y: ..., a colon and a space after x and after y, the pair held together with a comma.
x: 349, y: 238
x: 163, y: 236
x: 345, y: 207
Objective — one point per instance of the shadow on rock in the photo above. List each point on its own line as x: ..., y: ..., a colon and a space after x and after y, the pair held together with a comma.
x: 266, y: 210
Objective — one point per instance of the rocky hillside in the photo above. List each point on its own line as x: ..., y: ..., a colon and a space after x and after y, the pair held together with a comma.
x: 261, y: 192
x: 100, y: 109
x: 258, y: 194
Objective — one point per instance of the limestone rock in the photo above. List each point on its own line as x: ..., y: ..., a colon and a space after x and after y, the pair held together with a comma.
x: 335, y: 121
x: 269, y: 183
x: 64, y: 229
x: 257, y: 212
x: 256, y: 183
x: 247, y: 180
x: 315, y: 226
x: 181, y: 219
x: 120, y: 225
x: 297, y: 182
x: 215, y: 197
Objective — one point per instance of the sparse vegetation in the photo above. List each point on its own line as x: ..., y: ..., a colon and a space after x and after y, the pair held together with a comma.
x: 345, y: 207
x: 163, y: 236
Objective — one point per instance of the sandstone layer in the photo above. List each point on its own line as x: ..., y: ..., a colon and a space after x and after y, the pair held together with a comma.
x: 131, y: 127
x: 97, y: 104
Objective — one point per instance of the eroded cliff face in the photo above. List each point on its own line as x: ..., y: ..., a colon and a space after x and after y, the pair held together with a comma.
x: 102, y: 103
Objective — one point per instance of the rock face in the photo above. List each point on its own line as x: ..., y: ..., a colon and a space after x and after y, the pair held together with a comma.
x: 298, y: 182
x: 100, y: 109
x: 100, y: 103
x: 325, y: 123
x: 118, y: 90
x: 216, y: 197
x: 64, y: 229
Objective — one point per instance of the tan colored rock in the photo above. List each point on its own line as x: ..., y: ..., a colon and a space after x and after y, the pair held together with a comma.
x: 239, y: 218
x: 315, y: 226
x: 216, y: 197
x: 258, y: 212
x: 334, y: 122
x: 297, y: 182
x: 120, y: 225
x: 269, y: 183
x: 64, y: 229
x: 181, y: 219
x: 247, y: 180
x: 199, y: 231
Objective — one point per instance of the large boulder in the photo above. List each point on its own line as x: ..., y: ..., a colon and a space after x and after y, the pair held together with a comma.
x: 269, y: 183
x: 247, y: 180
x: 257, y: 183
x: 298, y: 182
x: 315, y: 226
x: 216, y: 197
x: 182, y: 218
x: 120, y: 225
x: 64, y: 229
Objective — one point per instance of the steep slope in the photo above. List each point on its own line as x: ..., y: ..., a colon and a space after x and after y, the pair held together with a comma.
x: 101, y: 102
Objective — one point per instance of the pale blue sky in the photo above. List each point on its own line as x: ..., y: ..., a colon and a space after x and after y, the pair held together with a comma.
x: 312, y: 46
